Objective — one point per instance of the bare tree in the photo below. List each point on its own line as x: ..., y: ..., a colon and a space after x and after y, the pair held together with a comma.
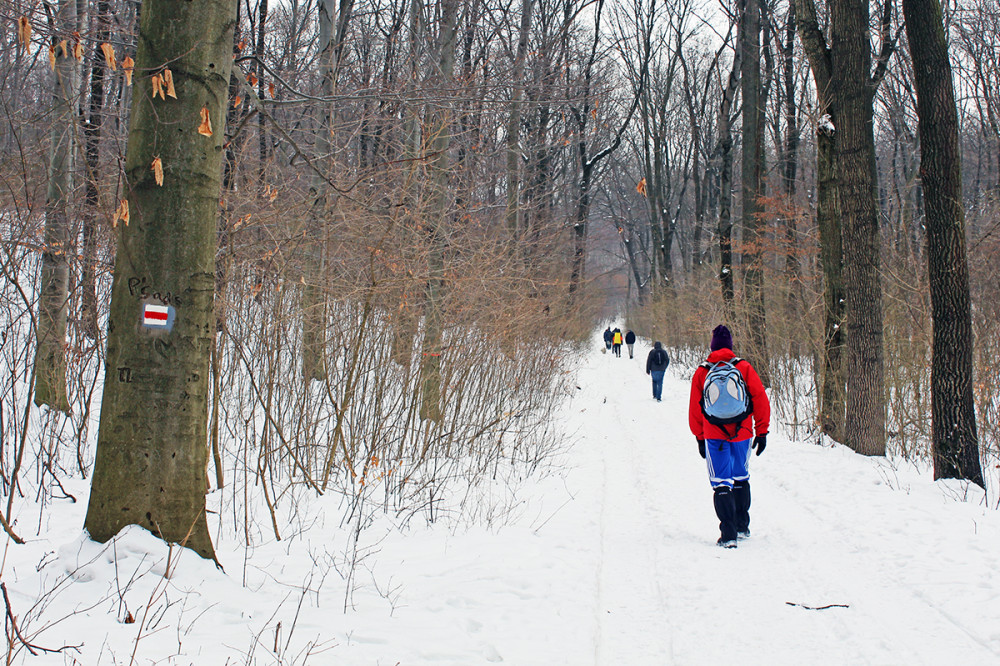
x: 53, y: 299
x: 754, y: 103
x: 724, y: 157
x: 955, y: 443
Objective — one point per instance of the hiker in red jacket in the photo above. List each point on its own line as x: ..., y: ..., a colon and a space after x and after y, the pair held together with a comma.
x: 724, y: 438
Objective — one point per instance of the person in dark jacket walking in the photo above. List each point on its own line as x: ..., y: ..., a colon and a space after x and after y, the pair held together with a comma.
x: 607, y: 338
x: 726, y: 448
x: 656, y: 365
x: 630, y: 342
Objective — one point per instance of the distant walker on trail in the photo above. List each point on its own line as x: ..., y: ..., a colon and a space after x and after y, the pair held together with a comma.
x: 630, y: 342
x: 608, y: 338
x: 616, y: 342
x: 656, y: 364
x: 728, y: 405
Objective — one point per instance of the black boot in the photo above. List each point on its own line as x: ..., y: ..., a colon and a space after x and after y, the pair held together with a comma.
x: 725, y: 509
x: 741, y: 492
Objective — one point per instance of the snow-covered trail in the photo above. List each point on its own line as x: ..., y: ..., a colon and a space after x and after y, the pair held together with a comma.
x: 910, y: 585
x: 607, y: 560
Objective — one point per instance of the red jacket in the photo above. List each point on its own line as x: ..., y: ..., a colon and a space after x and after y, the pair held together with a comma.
x: 761, y: 418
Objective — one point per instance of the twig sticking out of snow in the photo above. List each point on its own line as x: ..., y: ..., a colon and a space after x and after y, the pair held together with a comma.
x: 789, y: 603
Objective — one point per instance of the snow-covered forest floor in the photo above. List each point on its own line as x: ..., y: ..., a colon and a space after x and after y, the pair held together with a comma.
x: 607, y: 557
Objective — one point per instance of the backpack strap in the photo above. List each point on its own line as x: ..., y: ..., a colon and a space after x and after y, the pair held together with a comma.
x: 733, y: 361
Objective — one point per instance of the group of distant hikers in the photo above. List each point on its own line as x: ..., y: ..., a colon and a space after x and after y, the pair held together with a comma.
x: 729, y: 415
x: 613, y: 341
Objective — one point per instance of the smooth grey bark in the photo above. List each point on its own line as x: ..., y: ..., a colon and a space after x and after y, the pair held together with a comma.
x: 313, y: 300
x: 437, y: 222
x: 514, y: 221
x: 53, y: 297
x: 152, y: 448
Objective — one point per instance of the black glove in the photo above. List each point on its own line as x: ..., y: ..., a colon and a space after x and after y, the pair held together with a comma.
x: 701, y: 447
x: 759, y: 442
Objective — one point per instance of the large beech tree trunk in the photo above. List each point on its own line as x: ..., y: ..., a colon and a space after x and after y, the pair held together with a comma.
x: 152, y: 449
x: 953, y: 413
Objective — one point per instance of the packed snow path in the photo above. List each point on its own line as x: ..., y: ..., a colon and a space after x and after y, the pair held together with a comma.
x: 878, y: 571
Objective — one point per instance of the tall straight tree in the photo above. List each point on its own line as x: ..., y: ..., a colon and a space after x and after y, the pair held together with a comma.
x: 833, y: 397
x: 514, y: 150
x: 53, y: 297
x: 753, y: 183
x: 953, y: 412
x: 854, y: 91
x: 313, y: 296
x: 152, y: 449
x: 724, y: 158
x: 437, y: 219
x: 92, y: 153
x: 843, y: 70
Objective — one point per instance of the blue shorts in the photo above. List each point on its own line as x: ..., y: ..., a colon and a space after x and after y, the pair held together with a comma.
x: 727, y: 461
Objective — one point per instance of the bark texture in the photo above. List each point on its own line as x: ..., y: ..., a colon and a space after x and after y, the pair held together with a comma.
x: 724, y: 156
x: 853, y: 92
x: 833, y: 397
x: 152, y: 448
x: 753, y: 185
x: 953, y: 414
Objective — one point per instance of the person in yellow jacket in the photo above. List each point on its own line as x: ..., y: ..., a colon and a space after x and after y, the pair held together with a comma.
x: 616, y: 342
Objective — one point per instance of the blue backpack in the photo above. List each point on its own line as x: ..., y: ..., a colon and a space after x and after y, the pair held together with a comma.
x: 725, y: 398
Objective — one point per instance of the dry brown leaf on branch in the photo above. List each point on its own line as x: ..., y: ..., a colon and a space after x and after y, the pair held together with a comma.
x: 64, y: 45
x: 205, y: 129
x: 270, y: 89
x: 158, y: 86
x: 127, y: 66
x: 237, y: 101
x: 52, y: 57
x: 241, y: 45
x: 252, y: 79
x: 109, y: 56
x: 24, y: 31
x: 168, y: 81
x: 641, y: 187
x: 121, y: 213
x: 157, y: 169
x: 78, y: 51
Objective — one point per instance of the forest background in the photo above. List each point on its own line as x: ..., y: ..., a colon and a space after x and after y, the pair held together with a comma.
x: 425, y: 205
